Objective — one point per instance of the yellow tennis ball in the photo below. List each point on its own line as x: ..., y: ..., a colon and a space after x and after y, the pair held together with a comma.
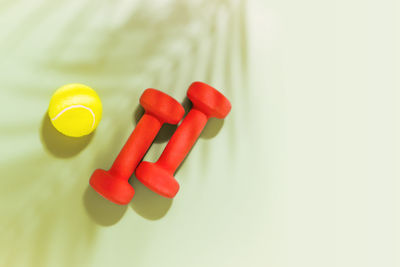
x: 75, y: 110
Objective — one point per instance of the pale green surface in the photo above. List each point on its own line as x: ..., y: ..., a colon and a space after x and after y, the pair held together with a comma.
x: 303, y: 172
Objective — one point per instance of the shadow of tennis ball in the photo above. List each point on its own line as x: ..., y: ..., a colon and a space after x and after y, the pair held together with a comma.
x: 58, y: 144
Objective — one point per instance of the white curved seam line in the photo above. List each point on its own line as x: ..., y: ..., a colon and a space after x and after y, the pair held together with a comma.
x: 76, y: 106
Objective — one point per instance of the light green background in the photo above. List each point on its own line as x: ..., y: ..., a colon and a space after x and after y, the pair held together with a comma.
x: 303, y: 172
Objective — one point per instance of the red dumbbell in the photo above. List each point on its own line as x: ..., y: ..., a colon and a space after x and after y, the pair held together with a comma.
x: 113, y: 184
x: 207, y: 102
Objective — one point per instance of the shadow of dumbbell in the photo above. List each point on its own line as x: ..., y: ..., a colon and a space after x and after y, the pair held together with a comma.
x: 145, y: 202
x: 100, y: 210
x: 148, y: 204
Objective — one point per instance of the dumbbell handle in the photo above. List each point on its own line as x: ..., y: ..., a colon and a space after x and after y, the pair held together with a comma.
x: 183, y: 140
x: 135, y: 147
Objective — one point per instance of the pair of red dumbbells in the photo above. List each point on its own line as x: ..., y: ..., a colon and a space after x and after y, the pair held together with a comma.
x: 159, y: 108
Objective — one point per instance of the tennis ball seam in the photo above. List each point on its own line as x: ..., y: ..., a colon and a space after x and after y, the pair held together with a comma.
x: 76, y: 106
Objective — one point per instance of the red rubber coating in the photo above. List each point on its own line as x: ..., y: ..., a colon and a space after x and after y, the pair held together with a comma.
x: 207, y: 102
x: 113, y: 184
